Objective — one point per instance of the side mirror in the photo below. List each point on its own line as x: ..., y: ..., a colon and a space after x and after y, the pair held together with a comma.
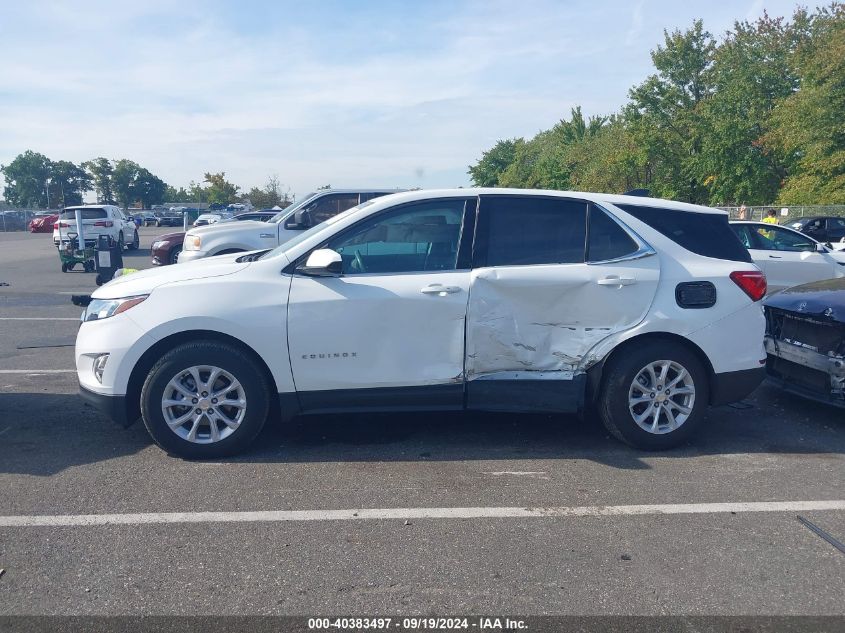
x: 323, y: 263
x: 822, y: 248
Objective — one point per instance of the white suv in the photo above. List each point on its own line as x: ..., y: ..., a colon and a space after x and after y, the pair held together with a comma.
x: 223, y: 238
x: 97, y: 219
x: 484, y: 299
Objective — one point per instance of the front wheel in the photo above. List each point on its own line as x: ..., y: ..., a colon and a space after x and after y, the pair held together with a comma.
x: 205, y: 399
x: 173, y: 257
x: 654, y: 397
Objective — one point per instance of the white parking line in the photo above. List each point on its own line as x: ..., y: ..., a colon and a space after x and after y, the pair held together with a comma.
x: 39, y: 318
x: 380, y: 514
x: 35, y: 372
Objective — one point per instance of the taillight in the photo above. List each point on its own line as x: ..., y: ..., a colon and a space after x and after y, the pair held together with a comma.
x: 105, y: 223
x: 752, y: 282
x: 62, y: 225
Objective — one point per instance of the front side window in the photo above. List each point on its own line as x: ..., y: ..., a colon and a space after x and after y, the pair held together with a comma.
x: 527, y: 230
x: 419, y: 237
x: 777, y: 239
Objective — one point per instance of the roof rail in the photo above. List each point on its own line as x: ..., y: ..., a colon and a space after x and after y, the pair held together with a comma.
x: 641, y: 193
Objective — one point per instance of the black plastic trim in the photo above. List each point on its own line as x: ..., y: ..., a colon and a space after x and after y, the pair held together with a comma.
x: 731, y: 386
x: 113, y: 407
x: 565, y: 396
x: 426, y: 398
x: 704, y: 291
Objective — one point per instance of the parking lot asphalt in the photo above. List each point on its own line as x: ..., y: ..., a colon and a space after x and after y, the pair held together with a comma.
x: 59, y: 458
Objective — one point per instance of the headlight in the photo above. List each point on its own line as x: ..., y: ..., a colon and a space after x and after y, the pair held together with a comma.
x: 192, y: 243
x: 105, y: 308
x: 159, y: 244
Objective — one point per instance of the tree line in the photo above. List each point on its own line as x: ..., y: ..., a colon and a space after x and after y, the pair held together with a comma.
x: 754, y: 118
x: 35, y: 181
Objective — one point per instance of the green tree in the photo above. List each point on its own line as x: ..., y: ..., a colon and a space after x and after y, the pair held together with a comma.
x: 220, y: 190
x: 101, y: 171
x: 171, y: 194
x: 664, y: 113
x: 752, y: 72
x: 27, y: 180
x: 807, y: 126
x: 486, y: 172
x: 268, y: 196
x: 68, y: 184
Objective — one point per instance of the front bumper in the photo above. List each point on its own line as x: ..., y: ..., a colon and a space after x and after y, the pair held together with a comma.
x: 112, y: 406
x: 732, y: 386
x: 806, y: 372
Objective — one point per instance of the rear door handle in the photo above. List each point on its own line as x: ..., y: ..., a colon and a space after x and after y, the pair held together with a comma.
x: 440, y: 290
x: 616, y: 281
x: 775, y: 256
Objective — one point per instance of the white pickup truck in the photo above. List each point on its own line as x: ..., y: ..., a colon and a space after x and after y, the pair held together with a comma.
x: 234, y: 237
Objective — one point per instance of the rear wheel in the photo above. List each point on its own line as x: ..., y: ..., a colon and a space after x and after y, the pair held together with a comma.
x: 135, y: 243
x: 205, y: 399
x: 120, y: 241
x: 654, y: 397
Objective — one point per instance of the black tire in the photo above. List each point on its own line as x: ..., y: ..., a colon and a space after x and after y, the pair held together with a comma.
x: 120, y: 241
x: 617, y: 380
x: 173, y: 256
x: 64, y: 268
x: 219, y: 354
x: 135, y: 243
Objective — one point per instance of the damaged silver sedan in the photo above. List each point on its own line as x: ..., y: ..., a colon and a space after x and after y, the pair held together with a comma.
x: 805, y: 340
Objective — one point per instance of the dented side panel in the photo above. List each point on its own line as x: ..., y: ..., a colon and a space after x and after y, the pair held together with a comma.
x: 546, y: 318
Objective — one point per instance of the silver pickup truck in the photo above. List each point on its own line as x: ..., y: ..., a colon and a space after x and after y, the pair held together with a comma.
x: 235, y: 237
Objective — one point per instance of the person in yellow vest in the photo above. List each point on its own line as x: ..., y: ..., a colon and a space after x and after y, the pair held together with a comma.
x: 771, y: 218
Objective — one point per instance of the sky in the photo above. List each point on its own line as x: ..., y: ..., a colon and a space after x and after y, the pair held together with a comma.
x: 347, y: 93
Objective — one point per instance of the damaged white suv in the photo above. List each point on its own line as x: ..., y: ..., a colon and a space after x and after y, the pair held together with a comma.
x: 482, y: 299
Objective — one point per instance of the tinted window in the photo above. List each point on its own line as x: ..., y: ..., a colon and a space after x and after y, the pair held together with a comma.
x: 773, y: 238
x: 707, y: 234
x: 87, y: 214
x: 371, y: 195
x: 836, y: 223
x: 531, y: 230
x: 415, y: 238
x: 607, y: 240
x: 329, y: 206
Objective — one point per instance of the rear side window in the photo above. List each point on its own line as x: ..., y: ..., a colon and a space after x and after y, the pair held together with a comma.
x: 87, y: 214
x: 530, y: 230
x: 707, y: 234
x: 607, y: 240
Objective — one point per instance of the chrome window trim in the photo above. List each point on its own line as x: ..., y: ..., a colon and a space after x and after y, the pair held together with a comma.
x: 644, y: 249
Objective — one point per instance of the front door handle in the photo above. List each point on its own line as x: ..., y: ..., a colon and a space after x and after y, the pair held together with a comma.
x: 775, y: 256
x: 440, y: 290
x: 616, y: 281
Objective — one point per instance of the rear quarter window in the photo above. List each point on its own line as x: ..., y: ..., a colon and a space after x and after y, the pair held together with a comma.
x: 707, y: 234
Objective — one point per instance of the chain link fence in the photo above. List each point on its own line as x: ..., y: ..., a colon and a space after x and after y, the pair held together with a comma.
x: 791, y: 212
x: 18, y: 219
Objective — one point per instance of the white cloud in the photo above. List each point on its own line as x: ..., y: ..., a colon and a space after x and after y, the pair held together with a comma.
x: 183, y: 89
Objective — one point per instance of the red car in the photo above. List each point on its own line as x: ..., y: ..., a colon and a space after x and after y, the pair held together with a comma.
x: 43, y: 223
x: 166, y: 248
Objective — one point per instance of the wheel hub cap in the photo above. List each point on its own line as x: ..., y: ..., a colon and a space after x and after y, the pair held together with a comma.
x: 203, y: 404
x: 661, y: 397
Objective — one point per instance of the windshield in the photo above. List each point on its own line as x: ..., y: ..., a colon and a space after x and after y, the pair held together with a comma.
x: 281, y: 215
x: 281, y: 248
